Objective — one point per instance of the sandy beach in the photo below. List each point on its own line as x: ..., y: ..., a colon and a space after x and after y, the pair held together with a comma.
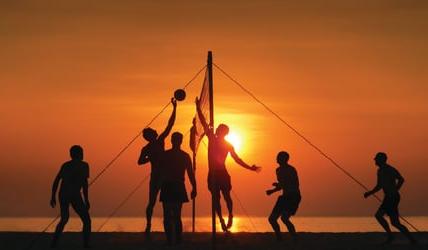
x: 307, y: 241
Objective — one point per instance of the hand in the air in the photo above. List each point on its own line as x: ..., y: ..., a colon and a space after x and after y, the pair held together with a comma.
x: 256, y: 168
x: 174, y: 102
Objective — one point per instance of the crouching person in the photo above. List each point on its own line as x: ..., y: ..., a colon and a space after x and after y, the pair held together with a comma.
x: 287, y: 203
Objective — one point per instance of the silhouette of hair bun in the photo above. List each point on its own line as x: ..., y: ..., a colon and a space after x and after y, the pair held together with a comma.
x: 180, y: 94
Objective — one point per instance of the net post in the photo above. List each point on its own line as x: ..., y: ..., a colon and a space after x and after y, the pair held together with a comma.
x: 194, y: 199
x: 211, y: 99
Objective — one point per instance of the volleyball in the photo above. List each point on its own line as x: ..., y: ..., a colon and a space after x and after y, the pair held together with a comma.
x: 180, y: 94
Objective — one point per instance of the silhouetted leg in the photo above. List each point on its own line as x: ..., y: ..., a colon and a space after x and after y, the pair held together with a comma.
x: 81, y: 209
x: 379, y: 217
x: 273, y: 218
x: 395, y: 221
x: 65, y: 215
x: 217, y: 205
x: 286, y: 219
x: 153, y: 194
x: 229, y: 203
x: 178, y: 222
x: 167, y: 221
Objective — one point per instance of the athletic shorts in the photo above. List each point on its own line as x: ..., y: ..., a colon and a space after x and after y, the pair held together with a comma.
x: 287, y: 204
x: 155, y: 183
x: 219, y: 181
x: 173, y: 191
x: 390, y: 204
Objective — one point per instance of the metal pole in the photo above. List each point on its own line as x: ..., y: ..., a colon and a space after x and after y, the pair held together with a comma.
x: 194, y: 200
x: 211, y: 96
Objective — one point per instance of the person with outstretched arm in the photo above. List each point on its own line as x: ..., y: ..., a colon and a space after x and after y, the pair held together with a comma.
x: 390, y: 181
x: 153, y: 152
x: 287, y: 203
x: 73, y: 177
x: 218, y: 178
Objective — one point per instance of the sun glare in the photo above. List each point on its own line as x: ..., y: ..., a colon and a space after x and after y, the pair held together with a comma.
x: 236, y: 225
x: 235, y: 140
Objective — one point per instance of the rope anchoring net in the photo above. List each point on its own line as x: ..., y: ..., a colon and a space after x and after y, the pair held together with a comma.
x: 299, y: 134
x: 248, y: 92
x: 111, y: 162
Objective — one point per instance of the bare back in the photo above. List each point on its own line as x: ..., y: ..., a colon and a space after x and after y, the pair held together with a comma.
x: 218, y: 149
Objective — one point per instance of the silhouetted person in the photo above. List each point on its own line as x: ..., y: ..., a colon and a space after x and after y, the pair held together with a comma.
x: 390, y: 181
x: 74, y: 176
x: 218, y: 177
x: 287, y: 203
x: 153, y: 153
x: 173, y: 191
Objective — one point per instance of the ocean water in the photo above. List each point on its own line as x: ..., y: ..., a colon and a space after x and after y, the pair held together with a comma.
x: 203, y: 224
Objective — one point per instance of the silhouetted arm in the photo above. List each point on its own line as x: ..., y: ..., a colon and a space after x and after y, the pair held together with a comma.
x: 276, y: 188
x: 171, y: 121
x: 400, y: 180
x: 242, y: 163
x: 376, y: 189
x: 144, y: 157
x: 85, y: 187
x: 86, y: 193
x: 201, y: 116
x: 55, y: 188
x: 373, y: 191
x: 191, y: 175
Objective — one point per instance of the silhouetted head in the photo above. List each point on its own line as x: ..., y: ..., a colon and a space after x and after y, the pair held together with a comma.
x: 150, y: 134
x: 76, y: 152
x: 380, y: 158
x: 282, y: 157
x: 222, y: 130
x: 176, y: 139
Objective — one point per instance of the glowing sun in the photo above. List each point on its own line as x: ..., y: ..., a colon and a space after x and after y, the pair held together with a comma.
x: 235, y: 140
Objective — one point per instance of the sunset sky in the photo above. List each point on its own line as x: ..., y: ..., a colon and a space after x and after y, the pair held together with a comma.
x: 350, y: 75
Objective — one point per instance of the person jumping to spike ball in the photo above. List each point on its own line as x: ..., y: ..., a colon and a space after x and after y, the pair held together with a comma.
x: 218, y: 177
x: 287, y: 203
x: 390, y: 181
x: 153, y: 152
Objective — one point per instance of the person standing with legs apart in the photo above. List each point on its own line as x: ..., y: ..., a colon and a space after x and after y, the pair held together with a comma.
x: 287, y: 203
x: 390, y: 181
x: 173, y: 190
x: 218, y: 177
x: 74, y: 176
x: 153, y: 153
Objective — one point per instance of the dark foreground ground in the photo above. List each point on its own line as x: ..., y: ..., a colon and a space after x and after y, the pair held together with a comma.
x: 307, y: 241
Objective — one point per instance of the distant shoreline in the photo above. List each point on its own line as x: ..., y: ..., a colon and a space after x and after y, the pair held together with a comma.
x: 203, y: 224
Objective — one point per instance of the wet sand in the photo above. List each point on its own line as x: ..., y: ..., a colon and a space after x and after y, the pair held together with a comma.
x: 202, y: 241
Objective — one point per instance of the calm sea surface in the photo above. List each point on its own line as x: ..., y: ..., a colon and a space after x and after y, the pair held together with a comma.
x: 203, y: 224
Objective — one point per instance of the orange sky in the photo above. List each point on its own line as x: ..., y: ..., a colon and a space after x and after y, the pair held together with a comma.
x: 351, y: 76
